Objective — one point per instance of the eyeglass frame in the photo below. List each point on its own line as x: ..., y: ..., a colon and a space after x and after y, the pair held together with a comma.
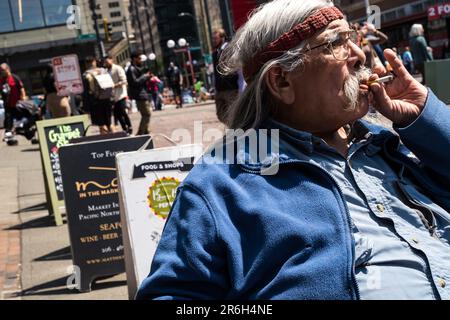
x: 330, y: 42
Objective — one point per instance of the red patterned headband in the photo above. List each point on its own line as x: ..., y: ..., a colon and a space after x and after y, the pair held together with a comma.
x: 292, y: 39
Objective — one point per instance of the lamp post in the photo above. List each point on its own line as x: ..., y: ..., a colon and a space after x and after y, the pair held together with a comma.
x: 197, y: 32
x: 184, y: 47
x: 152, y: 58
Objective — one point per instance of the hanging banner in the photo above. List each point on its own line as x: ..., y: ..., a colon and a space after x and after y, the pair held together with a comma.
x: 148, y: 182
x: 92, y: 205
x: 54, y: 134
x: 439, y: 11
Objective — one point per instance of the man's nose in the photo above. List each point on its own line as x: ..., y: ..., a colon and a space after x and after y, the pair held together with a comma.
x: 357, y: 56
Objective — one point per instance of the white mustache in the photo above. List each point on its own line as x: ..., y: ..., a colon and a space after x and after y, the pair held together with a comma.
x: 351, y: 86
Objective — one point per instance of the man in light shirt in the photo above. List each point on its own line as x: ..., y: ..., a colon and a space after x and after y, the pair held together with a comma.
x: 120, y: 94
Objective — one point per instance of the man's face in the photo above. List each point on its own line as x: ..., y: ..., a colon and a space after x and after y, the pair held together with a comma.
x: 217, y: 39
x: 3, y: 72
x: 108, y: 63
x: 138, y: 61
x: 325, y: 87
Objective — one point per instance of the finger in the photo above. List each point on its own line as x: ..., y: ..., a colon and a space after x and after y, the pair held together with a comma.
x: 382, y: 102
x: 396, y: 64
x: 379, y: 70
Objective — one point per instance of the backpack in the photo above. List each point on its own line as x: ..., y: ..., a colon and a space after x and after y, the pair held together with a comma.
x: 103, y: 86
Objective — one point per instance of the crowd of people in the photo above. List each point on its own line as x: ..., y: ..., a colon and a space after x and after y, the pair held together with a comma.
x: 110, y: 91
x: 414, y: 56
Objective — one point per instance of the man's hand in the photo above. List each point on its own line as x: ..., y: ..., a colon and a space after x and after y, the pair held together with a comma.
x: 401, y: 100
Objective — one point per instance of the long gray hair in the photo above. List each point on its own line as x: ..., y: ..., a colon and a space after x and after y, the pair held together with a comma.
x: 266, y: 24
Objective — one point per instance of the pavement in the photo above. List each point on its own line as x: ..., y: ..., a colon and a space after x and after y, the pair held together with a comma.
x: 35, y: 257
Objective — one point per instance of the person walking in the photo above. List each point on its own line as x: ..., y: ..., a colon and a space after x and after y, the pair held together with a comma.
x: 137, y: 85
x: 175, y: 83
x: 12, y: 91
x: 119, y: 78
x: 153, y: 85
x: 227, y: 87
x: 408, y: 60
x: 418, y: 45
x: 98, y: 95
x: 58, y: 106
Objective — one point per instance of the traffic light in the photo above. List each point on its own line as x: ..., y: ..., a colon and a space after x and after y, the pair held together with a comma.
x: 108, y: 30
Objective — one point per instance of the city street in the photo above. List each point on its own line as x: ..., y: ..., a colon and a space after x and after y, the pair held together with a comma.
x: 35, y: 255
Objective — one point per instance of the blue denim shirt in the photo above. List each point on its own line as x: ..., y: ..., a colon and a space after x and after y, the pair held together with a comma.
x: 235, y: 233
x: 398, y: 255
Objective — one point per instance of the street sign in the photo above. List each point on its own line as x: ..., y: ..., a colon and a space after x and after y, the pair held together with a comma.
x: 148, y: 181
x: 67, y: 75
x: 53, y: 134
x: 92, y: 205
x: 87, y: 36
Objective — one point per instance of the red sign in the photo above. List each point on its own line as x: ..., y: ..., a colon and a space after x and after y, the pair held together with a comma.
x: 67, y: 75
x: 439, y: 11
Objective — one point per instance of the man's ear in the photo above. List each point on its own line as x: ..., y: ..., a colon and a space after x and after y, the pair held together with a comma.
x: 280, y: 85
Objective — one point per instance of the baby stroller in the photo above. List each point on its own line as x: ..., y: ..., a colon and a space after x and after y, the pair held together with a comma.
x: 26, y: 114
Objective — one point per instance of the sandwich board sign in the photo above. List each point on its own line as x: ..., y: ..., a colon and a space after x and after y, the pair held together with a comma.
x: 92, y: 206
x: 148, y: 181
x: 54, y: 134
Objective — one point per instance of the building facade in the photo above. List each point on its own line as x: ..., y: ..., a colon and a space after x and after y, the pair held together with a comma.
x: 30, y: 38
x: 116, y: 13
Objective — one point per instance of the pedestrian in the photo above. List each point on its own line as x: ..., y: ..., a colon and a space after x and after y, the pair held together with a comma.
x: 137, y: 88
x: 418, y: 45
x: 408, y: 60
x: 120, y: 94
x: 175, y: 83
x: 312, y: 202
x: 226, y: 87
x: 370, y: 44
x: 12, y: 91
x: 58, y: 106
x: 99, y: 91
x: 153, y: 85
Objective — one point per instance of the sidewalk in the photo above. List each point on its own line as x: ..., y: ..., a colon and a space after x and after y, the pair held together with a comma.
x: 30, y: 244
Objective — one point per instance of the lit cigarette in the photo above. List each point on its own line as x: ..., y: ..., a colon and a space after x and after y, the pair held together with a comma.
x: 382, y: 80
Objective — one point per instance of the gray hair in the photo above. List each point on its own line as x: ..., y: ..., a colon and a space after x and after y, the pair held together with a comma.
x: 416, y: 30
x: 266, y: 24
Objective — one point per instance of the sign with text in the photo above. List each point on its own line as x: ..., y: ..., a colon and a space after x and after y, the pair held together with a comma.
x: 67, y: 75
x: 148, y: 181
x: 53, y: 134
x: 439, y: 11
x: 92, y: 205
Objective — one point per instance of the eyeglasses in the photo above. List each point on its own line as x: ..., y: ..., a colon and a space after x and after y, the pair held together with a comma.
x: 338, y: 45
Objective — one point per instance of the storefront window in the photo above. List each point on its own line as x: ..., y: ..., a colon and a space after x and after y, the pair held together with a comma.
x: 6, y: 23
x: 55, y: 11
x: 32, y: 16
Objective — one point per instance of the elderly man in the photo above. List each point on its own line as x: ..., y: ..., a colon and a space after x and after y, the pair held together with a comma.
x: 351, y: 212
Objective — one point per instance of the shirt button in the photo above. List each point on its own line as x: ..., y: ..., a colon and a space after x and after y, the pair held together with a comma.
x: 380, y: 207
x: 441, y: 282
x: 415, y: 240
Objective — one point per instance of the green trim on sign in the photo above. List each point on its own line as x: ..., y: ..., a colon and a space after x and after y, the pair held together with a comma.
x: 56, y: 205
